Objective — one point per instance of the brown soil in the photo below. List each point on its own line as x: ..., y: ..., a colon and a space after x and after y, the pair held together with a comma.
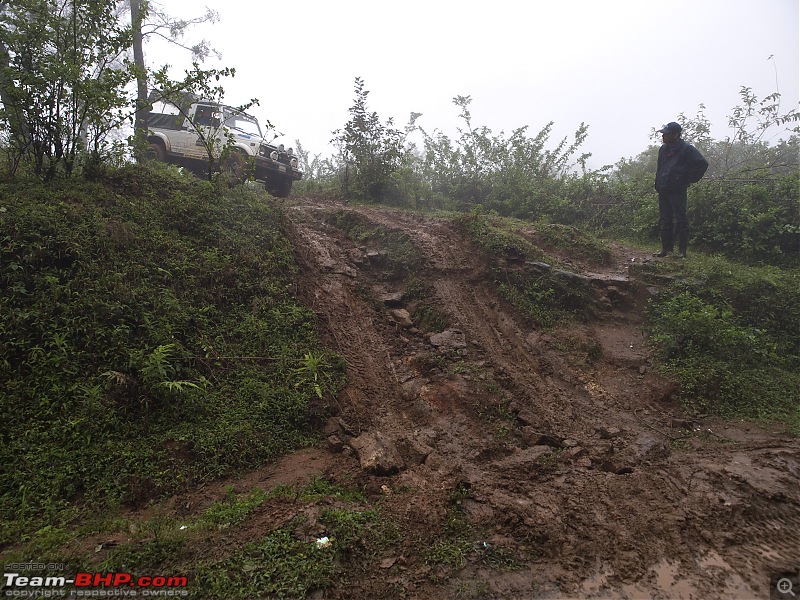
x: 600, y: 480
x: 571, y: 453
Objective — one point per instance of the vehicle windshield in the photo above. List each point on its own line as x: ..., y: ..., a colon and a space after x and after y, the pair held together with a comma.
x: 243, y: 123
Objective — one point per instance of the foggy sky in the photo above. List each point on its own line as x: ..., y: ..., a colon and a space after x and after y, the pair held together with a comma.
x: 622, y: 66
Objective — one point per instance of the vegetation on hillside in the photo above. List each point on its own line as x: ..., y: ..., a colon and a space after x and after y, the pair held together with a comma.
x: 731, y: 335
x: 149, y: 339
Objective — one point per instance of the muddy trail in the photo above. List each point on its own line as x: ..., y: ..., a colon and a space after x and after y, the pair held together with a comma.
x: 563, y: 451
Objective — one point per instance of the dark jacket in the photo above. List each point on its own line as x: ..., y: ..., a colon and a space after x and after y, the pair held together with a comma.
x: 679, y: 165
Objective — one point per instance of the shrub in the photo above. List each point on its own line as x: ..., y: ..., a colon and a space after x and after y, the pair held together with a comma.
x: 724, y: 364
x: 148, y: 339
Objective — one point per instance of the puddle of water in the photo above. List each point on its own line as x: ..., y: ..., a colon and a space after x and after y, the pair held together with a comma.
x: 710, y: 575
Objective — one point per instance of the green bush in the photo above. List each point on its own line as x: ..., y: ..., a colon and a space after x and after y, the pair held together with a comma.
x: 148, y: 339
x: 725, y: 364
x: 753, y: 220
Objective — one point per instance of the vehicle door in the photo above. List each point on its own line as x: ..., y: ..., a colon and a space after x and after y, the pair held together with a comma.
x: 200, y: 127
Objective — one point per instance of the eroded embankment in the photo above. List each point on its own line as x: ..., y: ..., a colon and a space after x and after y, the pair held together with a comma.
x: 566, y: 451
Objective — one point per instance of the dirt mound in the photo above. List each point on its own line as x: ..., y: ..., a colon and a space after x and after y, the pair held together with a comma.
x: 568, y: 451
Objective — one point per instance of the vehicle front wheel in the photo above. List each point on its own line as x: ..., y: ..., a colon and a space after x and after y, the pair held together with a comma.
x: 157, y: 152
x: 279, y: 189
x: 233, y: 168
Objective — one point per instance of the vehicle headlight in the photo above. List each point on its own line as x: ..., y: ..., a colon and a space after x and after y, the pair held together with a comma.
x: 293, y: 163
x: 274, y: 155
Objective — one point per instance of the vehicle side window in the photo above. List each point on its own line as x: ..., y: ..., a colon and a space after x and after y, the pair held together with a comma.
x: 204, y: 115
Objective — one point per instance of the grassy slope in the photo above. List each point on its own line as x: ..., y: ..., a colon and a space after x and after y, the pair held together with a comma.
x: 149, y: 340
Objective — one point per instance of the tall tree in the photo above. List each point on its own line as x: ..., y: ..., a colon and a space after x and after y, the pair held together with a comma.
x: 138, y: 12
x: 150, y: 20
x: 8, y: 88
x: 371, y: 151
x: 62, y: 84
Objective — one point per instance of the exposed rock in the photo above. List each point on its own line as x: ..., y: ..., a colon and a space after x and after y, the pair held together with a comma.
x: 608, y: 433
x: 393, y: 300
x: 415, y: 451
x: 337, y: 426
x: 450, y: 338
x: 571, y: 278
x: 402, y: 317
x: 527, y: 416
x: 376, y: 257
x: 346, y: 428
x: 611, y: 282
x: 649, y: 447
x: 332, y: 426
x: 539, y: 268
x: 376, y: 455
x: 335, y: 443
x: 412, y: 388
x: 345, y: 270
x: 576, y: 452
x: 356, y: 256
x: 421, y: 410
x: 618, y: 468
x: 534, y: 438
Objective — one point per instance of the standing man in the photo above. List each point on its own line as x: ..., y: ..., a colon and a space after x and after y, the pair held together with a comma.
x: 679, y: 165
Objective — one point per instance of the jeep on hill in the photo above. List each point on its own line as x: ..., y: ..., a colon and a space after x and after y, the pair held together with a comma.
x: 184, y: 132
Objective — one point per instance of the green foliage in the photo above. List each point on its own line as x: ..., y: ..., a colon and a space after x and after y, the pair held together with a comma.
x: 460, y: 542
x: 540, y: 296
x: 319, y: 488
x: 753, y: 220
x: 731, y: 352
x: 317, y: 371
x: 745, y: 207
x: 496, y: 239
x: 148, y: 339
x: 352, y: 532
x: 319, y: 174
x: 62, y: 81
x: 429, y: 318
x: 282, y: 565
x: 278, y: 566
x: 401, y: 257
x: 458, y: 538
x: 372, y: 153
x: 747, y: 204
x: 515, y: 176
x: 233, y: 510
x: 751, y: 122
x: 535, y: 298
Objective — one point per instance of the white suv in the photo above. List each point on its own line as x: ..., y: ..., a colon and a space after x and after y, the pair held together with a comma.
x: 184, y: 132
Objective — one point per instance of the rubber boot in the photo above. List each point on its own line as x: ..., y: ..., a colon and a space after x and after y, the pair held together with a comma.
x: 666, y: 243
x: 683, y: 242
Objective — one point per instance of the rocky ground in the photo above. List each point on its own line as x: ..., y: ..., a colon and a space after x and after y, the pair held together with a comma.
x: 564, y: 452
x: 566, y: 447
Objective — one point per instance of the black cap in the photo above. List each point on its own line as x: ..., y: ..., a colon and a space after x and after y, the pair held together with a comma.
x: 672, y: 127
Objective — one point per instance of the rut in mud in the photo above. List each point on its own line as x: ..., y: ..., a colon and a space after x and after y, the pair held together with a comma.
x: 566, y: 449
